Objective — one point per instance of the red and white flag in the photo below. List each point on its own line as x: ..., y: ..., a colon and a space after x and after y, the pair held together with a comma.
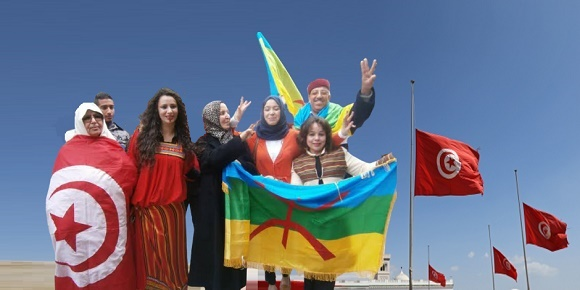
x: 436, y: 276
x: 87, y: 215
x: 503, y: 266
x: 445, y: 167
x: 544, y: 230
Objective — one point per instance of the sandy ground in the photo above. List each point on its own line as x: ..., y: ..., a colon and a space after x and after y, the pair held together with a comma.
x: 26, y: 275
x: 40, y: 276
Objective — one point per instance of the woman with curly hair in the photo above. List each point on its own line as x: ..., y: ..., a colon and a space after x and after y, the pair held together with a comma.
x: 220, y: 146
x: 162, y: 150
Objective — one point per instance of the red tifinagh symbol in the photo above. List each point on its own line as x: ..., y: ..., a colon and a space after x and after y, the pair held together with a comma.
x: 287, y: 224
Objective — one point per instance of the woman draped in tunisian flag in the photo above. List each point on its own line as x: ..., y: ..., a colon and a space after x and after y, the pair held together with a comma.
x: 162, y: 149
x: 87, y: 207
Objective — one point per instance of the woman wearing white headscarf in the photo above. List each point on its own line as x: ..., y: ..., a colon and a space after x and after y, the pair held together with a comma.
x: 88, y: 122
x: 87, y: 207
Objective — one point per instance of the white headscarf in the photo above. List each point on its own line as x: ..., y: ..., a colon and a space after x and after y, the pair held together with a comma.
x: 80, y: 126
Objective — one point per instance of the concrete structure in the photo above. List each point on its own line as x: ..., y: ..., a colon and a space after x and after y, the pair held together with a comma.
x: 383, y: 281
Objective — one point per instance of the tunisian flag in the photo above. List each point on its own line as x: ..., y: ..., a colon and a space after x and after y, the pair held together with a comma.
x: 445, y: 167
x: 501, y: 265
x: 87, y: 215
x: 436, y: 276
x: 544, y: 230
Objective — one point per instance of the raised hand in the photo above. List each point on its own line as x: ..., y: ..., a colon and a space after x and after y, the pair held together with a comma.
x: 387, y: 158
x: 368, y: 76
x: 241, y: 109
x: 347, y: 124
x: 249, y: 132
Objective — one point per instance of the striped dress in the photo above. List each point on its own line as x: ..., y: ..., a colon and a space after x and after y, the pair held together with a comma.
x: 334, y: 165
x: 161, y: 253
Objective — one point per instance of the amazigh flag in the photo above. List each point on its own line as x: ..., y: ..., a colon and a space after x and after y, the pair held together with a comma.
x: 87, y: 215
x: 501, y: 265
x: 544, y: 230
x: 322, y: 230
x: 281, y: 84
x: 333, y: 113
x: 445, y: 166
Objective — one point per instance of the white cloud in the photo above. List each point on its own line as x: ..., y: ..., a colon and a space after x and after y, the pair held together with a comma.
x: 537, y: 268
x: 471, y: 254
x: 486, y: 255
x: 542, y: 269
x: 454, y: 268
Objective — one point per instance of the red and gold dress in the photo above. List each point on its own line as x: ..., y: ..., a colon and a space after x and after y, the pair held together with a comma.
x: 158, y: 199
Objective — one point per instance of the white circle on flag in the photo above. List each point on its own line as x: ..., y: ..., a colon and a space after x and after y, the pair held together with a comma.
x: 448, y: 163
x: 435, y: 276
x: 507, y: 265
x: 88, y: 212
x: 544, y: 229
x: 94, y: 244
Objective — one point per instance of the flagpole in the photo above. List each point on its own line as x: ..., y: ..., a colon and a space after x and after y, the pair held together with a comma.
x: 411, y: 189
x: 428, y: 262
x: 522, y: 228
x: 491, y: 257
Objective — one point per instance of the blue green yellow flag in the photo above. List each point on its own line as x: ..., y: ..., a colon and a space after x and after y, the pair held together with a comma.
x: 281, y: 84
x: 322, y: 230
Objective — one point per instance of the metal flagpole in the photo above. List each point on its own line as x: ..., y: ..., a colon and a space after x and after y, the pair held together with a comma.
x: 428, y: 262
x: 411, y: 189
x: 491, y: 257
x: 522, y: 228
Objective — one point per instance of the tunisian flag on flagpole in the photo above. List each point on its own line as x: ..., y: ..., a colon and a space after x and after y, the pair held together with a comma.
x: 501, y: 265
x: 436, y: 276
x: 445, y: 167
x: 544, y: 230
x: 87, y: 214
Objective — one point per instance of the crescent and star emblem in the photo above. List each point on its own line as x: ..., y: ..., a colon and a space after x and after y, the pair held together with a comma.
x: 87, y: 218
x: 544, y: 229
x: 448, y: 163
x: 507, y: 265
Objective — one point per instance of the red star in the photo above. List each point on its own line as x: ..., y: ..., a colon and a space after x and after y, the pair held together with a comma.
x: 451, y: 163
x: 66, y: 227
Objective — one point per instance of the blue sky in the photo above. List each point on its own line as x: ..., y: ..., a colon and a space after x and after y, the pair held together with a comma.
x: 502, y: 76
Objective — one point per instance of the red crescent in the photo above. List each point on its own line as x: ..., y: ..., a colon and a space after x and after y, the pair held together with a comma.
x: 112, y: 232
x: 442, y: 163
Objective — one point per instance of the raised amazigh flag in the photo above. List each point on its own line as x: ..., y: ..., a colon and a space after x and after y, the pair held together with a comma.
x: 281, y: 84
x: 322, y: 230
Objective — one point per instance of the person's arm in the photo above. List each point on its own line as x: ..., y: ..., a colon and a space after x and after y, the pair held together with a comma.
x: 133, y: 150
x: 192, y: 168
x: 355, y: 166
x: 295, y: 178
x: 215, y: 156
x: 342, y: 135
x: 124, y: 142
x: 237, y: 117
x: 362, y: 109
x: 365, y: 98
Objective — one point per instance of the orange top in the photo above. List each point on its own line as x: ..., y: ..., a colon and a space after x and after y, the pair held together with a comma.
x: 281, y: 168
